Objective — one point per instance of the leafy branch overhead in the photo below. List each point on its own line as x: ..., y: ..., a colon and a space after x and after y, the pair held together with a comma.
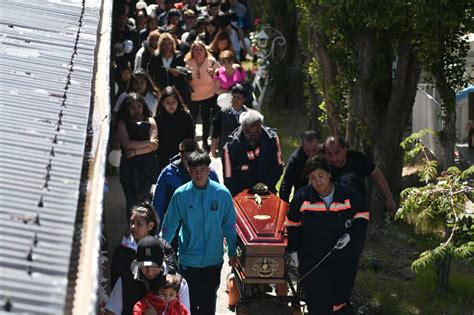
x: 442, y: 207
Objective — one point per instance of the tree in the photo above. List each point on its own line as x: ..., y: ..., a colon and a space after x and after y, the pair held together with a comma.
x: 367, y: 53
x: 440, y: 208
x: 282, y: 15
x: 356, y: 44
x: 442, y: 52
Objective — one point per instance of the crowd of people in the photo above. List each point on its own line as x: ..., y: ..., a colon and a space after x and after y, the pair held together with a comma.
x: 171, y: 60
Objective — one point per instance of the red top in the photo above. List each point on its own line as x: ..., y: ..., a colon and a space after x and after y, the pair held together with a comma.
x: 173, y: 307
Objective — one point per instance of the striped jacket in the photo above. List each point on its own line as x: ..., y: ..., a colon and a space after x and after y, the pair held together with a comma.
x: 313, y: 228
x: 246, y: 165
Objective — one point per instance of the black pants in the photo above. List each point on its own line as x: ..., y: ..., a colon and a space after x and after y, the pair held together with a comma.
x: 137, y: 175
x: 204, y: 107
x: 318, y: 287
x: 331, y: 283
x: 353, y: 263
x: 203, y: 284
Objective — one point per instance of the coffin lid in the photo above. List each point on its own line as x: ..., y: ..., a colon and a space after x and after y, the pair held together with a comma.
x: 260, y: 218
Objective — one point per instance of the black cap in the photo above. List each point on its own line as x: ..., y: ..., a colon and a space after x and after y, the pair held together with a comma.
x: 150, y: 252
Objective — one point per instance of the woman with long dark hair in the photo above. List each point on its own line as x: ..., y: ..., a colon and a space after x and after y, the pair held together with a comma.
x: 141, y: 84
x: 220, y: 43
x: 138, y: 137
x: 175, y: 124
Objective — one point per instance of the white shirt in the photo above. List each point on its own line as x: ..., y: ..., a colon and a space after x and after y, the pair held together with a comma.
x: 138, y: 58
x: 166, y: 61
x: 236, y: 113
x: 329, y: 198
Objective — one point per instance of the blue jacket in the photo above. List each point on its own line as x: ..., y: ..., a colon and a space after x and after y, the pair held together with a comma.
x: 206, y: 216
x: 171, y: 177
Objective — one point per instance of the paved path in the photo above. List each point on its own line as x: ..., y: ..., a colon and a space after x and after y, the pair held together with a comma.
x: 116, y: 224
x: 466, y: 153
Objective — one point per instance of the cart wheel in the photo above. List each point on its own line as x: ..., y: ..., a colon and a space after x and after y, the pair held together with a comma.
x: 232, y: 291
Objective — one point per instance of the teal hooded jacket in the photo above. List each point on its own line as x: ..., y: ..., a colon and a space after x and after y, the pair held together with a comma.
x: 207, y: 216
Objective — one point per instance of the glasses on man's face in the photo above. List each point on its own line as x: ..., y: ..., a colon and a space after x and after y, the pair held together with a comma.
x: 190, y: 16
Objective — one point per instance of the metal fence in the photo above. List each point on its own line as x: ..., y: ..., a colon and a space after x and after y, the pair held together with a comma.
x: 425, y: 115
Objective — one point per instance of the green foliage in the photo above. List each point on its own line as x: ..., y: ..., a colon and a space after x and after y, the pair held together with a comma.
x: 442, y: 207
x: 469, y: 173
x: 324, y: 115
x: 392, y: 295
x: 434, y: 28
x: 443, y: 49
x: 412, y: 146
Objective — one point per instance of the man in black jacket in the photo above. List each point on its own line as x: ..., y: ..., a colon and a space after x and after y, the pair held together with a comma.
x: 252, y: 158
x: 226, y: 120
x: 294, y: 176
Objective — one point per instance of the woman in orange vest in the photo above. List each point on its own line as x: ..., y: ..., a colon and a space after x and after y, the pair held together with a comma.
x: 319, y: 215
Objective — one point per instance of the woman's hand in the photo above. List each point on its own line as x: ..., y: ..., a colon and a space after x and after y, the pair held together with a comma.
x: 154, y: 144
x: 211, y: 72
x: 130, y: 153
x: 174, y: 72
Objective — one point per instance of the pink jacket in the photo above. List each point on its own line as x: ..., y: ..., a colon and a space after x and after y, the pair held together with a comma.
x: 227, y: 82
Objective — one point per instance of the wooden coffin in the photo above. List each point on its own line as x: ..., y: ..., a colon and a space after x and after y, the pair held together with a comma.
x: 262, y: 238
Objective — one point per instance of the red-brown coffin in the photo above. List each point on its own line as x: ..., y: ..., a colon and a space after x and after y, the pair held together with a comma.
x: 262, y: 237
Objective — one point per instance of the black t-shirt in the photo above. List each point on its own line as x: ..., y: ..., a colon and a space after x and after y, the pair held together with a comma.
x: 353, y: 173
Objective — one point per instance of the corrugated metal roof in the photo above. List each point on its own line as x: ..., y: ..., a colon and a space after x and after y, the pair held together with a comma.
x: 46, y: 67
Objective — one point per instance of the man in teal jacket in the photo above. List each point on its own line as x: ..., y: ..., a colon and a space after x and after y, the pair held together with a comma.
x: 207, y: 215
